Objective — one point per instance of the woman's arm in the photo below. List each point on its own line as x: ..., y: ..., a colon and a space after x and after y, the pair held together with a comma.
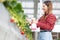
x: 48, y: 24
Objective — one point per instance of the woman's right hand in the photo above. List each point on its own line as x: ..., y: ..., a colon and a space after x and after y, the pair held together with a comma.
x: 34, y: 20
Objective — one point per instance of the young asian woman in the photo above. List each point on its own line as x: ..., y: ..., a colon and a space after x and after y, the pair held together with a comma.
x: 46, y: 22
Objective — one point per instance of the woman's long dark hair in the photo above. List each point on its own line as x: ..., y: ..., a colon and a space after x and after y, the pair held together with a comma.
x: 49, y: 5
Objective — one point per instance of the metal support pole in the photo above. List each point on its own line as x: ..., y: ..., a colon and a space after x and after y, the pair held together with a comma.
x: 35, y: 15
x: 35, y: 8
x: 57, y: 35
x: 36, y: 35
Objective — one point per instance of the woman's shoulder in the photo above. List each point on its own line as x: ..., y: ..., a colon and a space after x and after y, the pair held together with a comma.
x: 51, y: 16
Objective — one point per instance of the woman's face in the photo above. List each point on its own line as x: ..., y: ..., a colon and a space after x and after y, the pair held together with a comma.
x: 45, y: 8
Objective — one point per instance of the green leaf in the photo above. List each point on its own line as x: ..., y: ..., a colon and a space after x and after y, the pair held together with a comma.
x: 18, y: 8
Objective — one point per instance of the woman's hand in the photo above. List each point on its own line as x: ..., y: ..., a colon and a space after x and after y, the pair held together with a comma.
x: 34, y: 20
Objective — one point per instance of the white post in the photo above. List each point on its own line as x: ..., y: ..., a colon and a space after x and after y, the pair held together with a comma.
x: 41, y: 7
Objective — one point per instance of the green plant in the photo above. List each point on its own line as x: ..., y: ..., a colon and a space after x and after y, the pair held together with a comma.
x: 18, y: 17
x: 59, y: 39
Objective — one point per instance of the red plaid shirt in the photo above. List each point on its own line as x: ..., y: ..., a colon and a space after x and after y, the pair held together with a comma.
x: 48, y: 23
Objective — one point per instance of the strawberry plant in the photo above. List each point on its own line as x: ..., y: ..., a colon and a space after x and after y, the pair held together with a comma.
x: 18, y: 17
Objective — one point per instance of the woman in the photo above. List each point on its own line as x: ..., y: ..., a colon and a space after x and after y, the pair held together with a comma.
x: 46, y: 22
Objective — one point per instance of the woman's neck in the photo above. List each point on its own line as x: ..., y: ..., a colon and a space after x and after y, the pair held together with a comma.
x: 47, y: 13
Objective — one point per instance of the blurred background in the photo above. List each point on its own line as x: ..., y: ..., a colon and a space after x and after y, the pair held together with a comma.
x: 32, y: 8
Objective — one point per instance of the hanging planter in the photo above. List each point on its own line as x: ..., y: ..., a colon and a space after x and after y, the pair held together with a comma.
x: 18, y: 17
